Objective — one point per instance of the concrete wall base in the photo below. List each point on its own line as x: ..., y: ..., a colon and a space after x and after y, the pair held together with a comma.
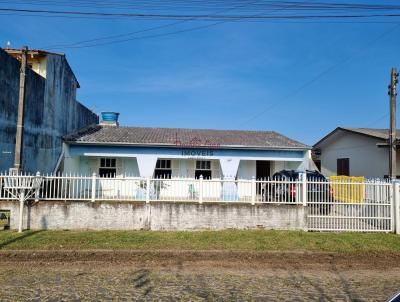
x: 59, y: 215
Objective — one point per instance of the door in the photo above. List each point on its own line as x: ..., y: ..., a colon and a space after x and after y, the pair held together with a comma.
x: 262, y: 172
x: 262, y: 169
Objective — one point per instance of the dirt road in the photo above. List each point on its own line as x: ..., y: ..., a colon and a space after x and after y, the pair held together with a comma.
x: 196, y: 276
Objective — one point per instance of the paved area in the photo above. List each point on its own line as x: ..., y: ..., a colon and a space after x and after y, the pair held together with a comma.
x: 197, y: 280
x: 141, y: 284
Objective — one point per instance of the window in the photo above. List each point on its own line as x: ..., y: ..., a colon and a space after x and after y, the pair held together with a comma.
x: 108, y: 167
x: 203, y: 167
x: 163, y: 169
x: 343, y: 166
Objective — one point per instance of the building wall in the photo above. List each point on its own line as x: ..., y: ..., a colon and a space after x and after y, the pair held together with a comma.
x: 247, y: 169
x: 156, y: 216
x: 39, y: 65
x: 184, y: 166
x: 180, y: 167
x: 51, y: 111
x: 365, y: 158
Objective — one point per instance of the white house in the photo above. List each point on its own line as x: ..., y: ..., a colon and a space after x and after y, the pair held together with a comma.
x: 354, y: 152
x: 113, y: 151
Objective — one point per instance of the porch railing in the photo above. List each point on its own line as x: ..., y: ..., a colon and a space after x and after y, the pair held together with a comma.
x: 94, y: 188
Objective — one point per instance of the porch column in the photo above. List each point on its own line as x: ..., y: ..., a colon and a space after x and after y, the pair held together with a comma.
x: 229, y: 168
x: 71, y: 164
x: 305, y: 165
x: 146, y: 164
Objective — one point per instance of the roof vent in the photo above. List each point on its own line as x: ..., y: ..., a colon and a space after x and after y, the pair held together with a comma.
x: 109, y: 118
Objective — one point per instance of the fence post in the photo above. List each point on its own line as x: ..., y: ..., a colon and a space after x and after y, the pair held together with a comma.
x: 396, y: 207
x: 304, y: 189
x: 253, y: 190
x: 93, y: 196
x: 21, y: 211
x: 201, y: 189
x: 37, y: 189
x: 148, y: 189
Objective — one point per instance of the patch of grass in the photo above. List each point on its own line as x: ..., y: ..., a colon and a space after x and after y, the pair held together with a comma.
x: 245, y: 240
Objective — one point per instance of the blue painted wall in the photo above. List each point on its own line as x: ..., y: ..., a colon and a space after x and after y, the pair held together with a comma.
x: 51, y: 111
x: 131, y: 151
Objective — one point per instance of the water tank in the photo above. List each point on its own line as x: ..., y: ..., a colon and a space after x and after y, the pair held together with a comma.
x: 109, y: 118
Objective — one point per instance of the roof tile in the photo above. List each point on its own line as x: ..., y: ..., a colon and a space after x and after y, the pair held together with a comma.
x: 179, y: 137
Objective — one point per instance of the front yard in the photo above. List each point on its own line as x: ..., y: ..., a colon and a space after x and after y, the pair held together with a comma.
x: 229, y: 240
x: 231, y: 265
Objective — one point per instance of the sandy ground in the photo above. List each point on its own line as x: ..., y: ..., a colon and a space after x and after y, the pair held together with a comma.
x: 196, y: 276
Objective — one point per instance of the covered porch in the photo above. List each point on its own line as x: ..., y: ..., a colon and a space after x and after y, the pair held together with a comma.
x: 174, y: 175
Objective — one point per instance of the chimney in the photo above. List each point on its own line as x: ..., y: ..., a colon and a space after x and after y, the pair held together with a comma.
x: 109, y: 118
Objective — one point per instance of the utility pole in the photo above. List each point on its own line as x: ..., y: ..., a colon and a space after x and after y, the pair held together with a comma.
x: 392, y: 132
x: 20, y: 118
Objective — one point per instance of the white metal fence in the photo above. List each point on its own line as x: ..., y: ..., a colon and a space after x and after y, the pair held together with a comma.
x: 341, y: 206
x: 330, y: 206
x: 94, y: 188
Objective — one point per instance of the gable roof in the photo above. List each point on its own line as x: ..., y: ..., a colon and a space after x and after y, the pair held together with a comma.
x: 378, y: 133
x: 178, y: 137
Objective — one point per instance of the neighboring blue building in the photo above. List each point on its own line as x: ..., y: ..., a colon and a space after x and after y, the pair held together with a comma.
x: 51, y: 108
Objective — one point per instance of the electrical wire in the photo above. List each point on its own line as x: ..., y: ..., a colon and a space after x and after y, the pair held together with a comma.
x: 197, y: 17
x: 320, y: 75
x: 239, y: 18
x: 75, y: 44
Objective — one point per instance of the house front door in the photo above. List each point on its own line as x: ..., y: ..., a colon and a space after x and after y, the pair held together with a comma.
x: 262, y: 172
x: 263, y: 169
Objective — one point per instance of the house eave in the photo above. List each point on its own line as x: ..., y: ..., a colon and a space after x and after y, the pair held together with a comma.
x: 236, y: 147
x: 317, y: 145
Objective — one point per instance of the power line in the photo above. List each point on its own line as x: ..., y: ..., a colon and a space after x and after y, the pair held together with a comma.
x: 77, y: 44
x: 320, y: 75
x: 143, y: 30
x: 282, y: 21
x: 168, y: 33
x: 196, y: 17
x: 187, y: 5
x: 143, y: 37
x: 378, y: 119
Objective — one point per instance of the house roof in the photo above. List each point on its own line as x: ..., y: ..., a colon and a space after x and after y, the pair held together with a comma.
x: 178, y: 137
x: 378, y: 133
x: 32, y: 51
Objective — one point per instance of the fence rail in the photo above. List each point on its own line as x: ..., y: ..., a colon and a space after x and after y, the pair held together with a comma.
x: 330, y: 205
x: 94, y: 188
x: 366, y: 206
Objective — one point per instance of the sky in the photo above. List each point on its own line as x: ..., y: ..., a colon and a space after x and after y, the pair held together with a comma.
x: 300, y: 79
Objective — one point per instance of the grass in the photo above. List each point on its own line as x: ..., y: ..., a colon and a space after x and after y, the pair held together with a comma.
x: 245, y: 240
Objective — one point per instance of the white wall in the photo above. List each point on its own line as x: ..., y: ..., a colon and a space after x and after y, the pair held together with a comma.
x: 88, y: 165
x: 247, y: 169
x: 129, y: 166
x: 365, y: 158
x: 180, y: 167
x: 187, y: 167
x: 156, y: 216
